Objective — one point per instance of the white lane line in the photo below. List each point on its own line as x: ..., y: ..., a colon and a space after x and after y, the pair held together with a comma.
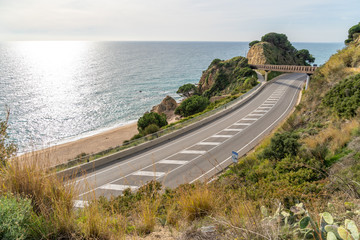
x: 265, y: 104
x: 179, y: 162
x: 256, y: 115
x: 273, y: 98
x: 242, y: 124
x: 193, y: 152
x: 233, y: 129
x: 80, y: 203
x: 250, y: 119
x: 148, y: 173
x: 118, y: 187
x: 222, y: 136
x: 209, y: 143
x: 248, y: 143
x: 260, y: 111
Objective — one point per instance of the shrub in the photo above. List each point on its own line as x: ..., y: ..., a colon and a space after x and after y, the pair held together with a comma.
x: 152, y: 128
x: 282, y: 145
x: 353, y: 32
x: 187, y: 90
x: 151, y: 118
x: 253, y: 43
x: 279, y: 40
x: 7, y: 150
x: 192, y: 105
x: 15, y: 216
x: 344, y: 98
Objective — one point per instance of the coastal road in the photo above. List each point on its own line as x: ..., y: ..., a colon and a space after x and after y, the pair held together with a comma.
x: 201, y: 153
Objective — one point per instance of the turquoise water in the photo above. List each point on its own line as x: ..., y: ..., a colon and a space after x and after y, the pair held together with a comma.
x: 62, y: 91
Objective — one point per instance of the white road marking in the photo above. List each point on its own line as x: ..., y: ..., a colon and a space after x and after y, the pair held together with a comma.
x: 249, y: 119
x: 222, y: 136
x: 256, y: 115
x: 193, y: 152
x: 118, y: 187
x: 242, y: 124
x: 80, y: 203
x: 260, y: 111
x: 209, y: 143
x: 233, y: 129
x: 148, y: 173
x: 179, y: 162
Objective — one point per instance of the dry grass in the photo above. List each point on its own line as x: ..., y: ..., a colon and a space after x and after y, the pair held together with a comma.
x: 335, y: 136
x: 197, y: 202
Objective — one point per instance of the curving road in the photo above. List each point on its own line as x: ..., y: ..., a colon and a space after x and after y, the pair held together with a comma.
x: 201, y: 153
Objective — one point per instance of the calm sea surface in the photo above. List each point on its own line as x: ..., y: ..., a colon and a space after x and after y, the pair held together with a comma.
x: 62, y: 91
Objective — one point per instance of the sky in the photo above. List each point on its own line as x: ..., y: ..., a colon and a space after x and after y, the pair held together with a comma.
x: 176, y: 20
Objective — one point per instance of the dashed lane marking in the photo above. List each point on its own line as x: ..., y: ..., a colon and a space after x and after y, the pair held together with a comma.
x: 118, y: 187
x: 193, y: 152
x: 148, y: 173
x: 179, y: 162
x: 222, y: 136
x: 232, y: 129
x: 209, y: 143
x: 242, y: 124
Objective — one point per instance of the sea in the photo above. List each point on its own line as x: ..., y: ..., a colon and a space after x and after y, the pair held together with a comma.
x: 63, y: 91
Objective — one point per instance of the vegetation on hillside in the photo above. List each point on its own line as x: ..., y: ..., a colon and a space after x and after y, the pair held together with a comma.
x: 302, y: 182
x: 354, y: 33
x: 275, y: 48
x: 192, y: 105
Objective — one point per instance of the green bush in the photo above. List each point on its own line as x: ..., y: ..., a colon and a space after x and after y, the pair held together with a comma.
x: 279, y: 40
x: 192, y: 105
x: 353, y: 32
x: 253, y: 43
x: 187, y: 90
x: 152, y: 128
x: 305, y: 57
x: 151, y: 118
x: 282, y: 145
x: 344, y: 98
x: 15, y: 217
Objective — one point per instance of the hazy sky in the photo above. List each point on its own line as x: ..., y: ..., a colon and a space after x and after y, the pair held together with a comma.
x: 177, y: 20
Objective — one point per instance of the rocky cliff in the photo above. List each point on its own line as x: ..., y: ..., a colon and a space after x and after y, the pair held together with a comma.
x: 267, y: 53
x: 225, y: 77
x: 167, y: 106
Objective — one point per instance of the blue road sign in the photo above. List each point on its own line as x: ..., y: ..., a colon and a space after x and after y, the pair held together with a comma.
x: 235, y: 156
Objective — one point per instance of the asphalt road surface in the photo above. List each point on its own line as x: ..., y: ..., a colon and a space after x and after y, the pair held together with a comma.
x: 201, y: 153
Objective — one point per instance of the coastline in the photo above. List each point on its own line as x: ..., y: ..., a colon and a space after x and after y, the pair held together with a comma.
x: 61, y: 153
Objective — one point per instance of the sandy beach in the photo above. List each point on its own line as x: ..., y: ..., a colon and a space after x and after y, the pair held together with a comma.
x: 63, y: 152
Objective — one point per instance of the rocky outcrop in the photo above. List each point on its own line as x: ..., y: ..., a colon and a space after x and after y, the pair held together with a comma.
x: 225, y: 77
x: 167, y: 106
x: 267, y: 53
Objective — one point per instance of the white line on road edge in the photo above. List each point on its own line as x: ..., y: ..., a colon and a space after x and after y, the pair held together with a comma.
x: 209, y: 143
x: 249, y: 142
x: 178, y: 162
x: 222, y: 136
x: 148, y: 173
x: 118, y: 187
x: 193, y: 152
x: 80, y: 203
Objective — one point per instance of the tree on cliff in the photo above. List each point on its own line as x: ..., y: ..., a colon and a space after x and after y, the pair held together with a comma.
x: 354, y: 32
x: 305, y: 57
x: 187, y: 90
x: 253, y: 43
x: 279, y: 40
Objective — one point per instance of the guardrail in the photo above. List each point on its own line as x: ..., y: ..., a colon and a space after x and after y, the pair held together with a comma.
x: 163, y: 135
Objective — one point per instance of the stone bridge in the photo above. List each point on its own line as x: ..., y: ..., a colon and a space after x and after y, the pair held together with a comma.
x: 309, y: 70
